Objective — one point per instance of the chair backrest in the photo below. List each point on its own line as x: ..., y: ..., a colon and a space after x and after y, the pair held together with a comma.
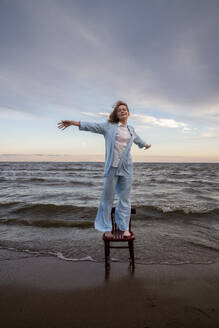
x: 114, y: 225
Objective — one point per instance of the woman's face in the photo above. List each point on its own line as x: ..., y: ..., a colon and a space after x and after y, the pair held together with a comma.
x: 122, y: 112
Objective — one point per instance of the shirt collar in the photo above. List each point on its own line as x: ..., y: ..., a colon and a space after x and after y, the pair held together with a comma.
x: 120, y: 124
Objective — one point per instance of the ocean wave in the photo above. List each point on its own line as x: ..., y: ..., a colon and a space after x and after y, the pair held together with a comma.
x: 57, y: 182
x: 61, y: 256
x: 143, y: 212
x: 204, y: 246
x: 72, y: 216
x: 49, y: 223
x: 50, y: 181
x: 21, y: 210
x: 82, y: 259
x: 48, y: 208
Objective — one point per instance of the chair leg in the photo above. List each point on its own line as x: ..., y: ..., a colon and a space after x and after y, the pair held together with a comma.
x: 131, y: 252
x: 107, y: 253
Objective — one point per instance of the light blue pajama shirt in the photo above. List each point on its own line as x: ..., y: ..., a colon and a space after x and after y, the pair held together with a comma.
x: 117, y: 179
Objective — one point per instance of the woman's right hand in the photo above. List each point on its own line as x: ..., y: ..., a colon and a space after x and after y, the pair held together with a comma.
x: 64, y: 124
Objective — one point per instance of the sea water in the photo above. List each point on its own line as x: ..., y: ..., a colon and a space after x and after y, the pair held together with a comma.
x: 48, y: 208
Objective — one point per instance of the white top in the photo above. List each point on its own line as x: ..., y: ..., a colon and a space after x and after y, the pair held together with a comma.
x: 122, y: 138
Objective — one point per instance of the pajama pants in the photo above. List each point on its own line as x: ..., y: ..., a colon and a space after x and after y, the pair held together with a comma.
x: 122, y: 186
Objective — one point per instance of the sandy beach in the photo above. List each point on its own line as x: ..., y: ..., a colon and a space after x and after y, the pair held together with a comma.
x: 49, y: 292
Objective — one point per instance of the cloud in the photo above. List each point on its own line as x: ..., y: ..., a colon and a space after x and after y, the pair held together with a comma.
x: 163, y: 122
x: 101, y: 114
x: 15, y: 114
x: 149, y: 120
x: 90, y: 114
x: 161, y: 55
x: 210, y: 135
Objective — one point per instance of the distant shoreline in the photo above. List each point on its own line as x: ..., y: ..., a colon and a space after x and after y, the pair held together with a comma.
x: 101, y: 162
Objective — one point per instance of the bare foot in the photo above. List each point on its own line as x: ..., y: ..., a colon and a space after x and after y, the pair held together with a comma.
x: 108, y: 234
x: 126, y: 233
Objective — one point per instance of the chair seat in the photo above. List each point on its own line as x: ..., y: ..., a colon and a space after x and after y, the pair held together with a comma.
x: 118, y: 236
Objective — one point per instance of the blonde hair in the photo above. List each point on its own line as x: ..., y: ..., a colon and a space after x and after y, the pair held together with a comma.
x: 113, y: 116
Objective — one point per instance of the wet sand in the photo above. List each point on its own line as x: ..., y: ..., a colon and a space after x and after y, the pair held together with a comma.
x: 48, y: 292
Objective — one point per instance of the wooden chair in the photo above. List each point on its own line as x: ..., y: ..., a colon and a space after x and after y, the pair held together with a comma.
x: 118, y: 237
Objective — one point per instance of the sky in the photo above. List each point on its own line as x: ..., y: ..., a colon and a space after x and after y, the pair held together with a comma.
x: 73, y: 59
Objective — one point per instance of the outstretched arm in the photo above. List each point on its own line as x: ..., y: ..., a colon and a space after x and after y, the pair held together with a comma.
x: 100, y: 128
x: 64, y: 124
x: 141, y: 143
x: 86, y: 126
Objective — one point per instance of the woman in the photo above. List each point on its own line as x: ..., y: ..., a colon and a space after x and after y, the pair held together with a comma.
x: 118, y: 168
